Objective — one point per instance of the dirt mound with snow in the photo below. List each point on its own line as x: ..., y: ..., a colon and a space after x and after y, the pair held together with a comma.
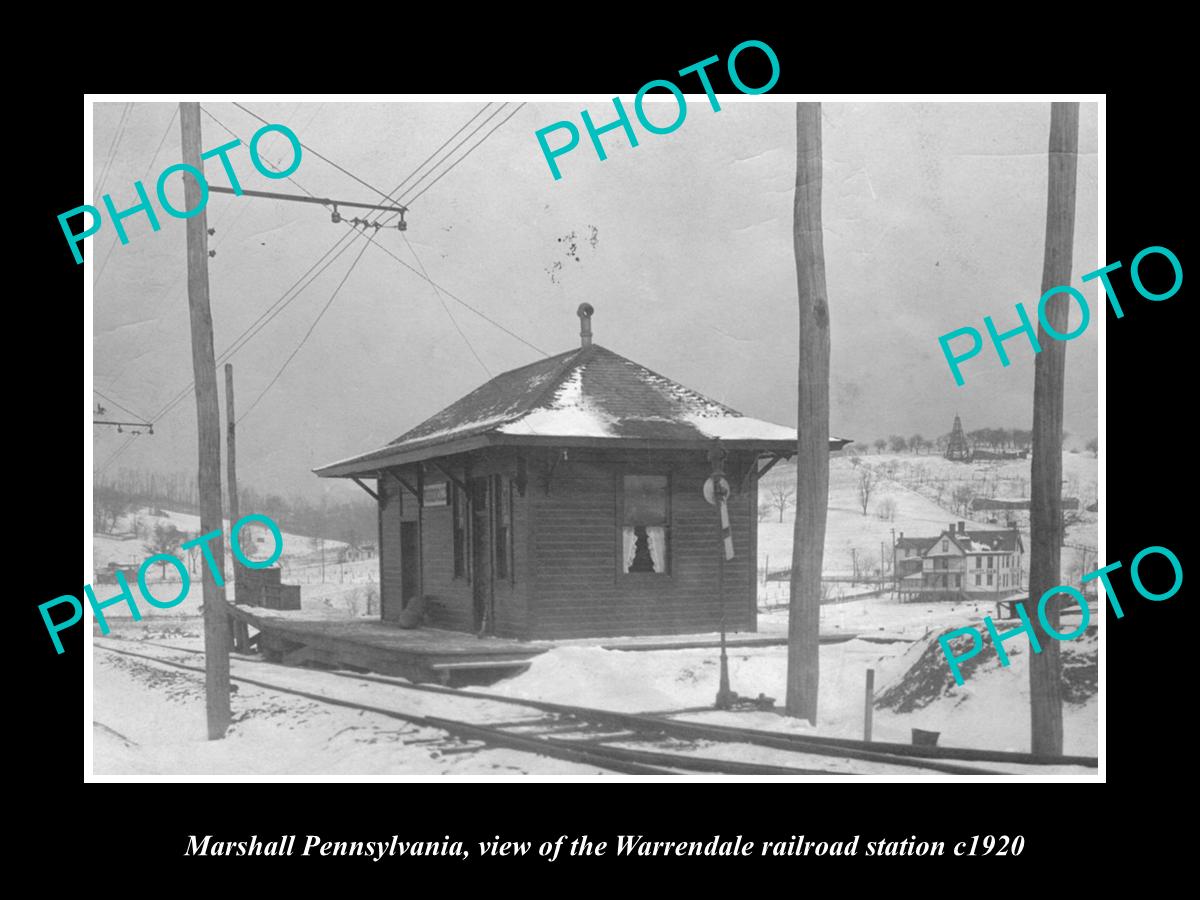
x: 928, y: 677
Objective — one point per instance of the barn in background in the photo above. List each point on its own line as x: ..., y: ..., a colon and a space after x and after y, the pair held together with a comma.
x: 565, y: 499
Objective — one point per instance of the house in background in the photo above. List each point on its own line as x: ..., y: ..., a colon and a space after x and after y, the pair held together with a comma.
x: 565, y: 499
x: 909, y: 552
x: 960, y: 564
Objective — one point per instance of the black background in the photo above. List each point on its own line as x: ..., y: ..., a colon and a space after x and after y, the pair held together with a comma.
x: 1147, y: 676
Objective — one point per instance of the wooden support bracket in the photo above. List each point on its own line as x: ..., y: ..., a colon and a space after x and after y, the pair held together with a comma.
x: 404, y: 484
x: 458, y: 483
x: 374, y: 495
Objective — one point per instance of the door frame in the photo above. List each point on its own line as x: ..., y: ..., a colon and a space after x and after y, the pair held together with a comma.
x: 483, y: 615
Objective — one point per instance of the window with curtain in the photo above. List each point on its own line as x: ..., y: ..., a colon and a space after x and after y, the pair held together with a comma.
x: 645, y: 525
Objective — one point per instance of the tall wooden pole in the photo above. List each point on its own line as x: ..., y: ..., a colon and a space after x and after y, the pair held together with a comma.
x: 1045, y: 518
x: 241, y: 632
x: 231, y: 454
x: 812, y: 423
x: 208, y: 426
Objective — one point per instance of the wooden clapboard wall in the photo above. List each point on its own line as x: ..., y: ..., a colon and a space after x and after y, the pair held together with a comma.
x: 579, y: 590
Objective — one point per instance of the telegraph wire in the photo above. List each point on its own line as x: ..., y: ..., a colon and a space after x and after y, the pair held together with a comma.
x: 108, y: 462
x: 268, y: 315
x: 458, y: 299
x: 112, y: 147
x: 449, y: 314
x: 183, y: 393
x: 453, y: 149
x: 264, y: 318
x: 138, y: 416
x: 307, y: 335
x: 444, y: 143
x: 465, y: 155
x: 157, y: 150
x: 317, y: 154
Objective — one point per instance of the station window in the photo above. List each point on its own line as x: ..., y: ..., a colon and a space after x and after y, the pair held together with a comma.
x: 645, y: 524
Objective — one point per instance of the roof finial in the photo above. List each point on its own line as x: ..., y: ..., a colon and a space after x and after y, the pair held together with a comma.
x: 585, y: 313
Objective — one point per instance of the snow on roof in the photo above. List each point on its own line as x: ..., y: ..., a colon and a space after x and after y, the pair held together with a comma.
x: 569, y: 413
x: 588, y: 392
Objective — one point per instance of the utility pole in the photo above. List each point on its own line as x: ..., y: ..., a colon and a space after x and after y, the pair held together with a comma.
x: 1045, y: 516
x: 895, y: 574
x: 241, y: 632
x: 720, y: 495
x: 208, y: 427
x: 812, y: 422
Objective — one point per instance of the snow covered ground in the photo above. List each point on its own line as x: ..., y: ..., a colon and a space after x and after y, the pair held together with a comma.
x: 350, y: 587
x: 990, y: 711
x: 920, y: 488
x: 151, y: 721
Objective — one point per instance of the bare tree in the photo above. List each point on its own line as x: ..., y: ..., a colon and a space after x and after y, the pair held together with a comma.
x: 812, y: 444
x: 897, y: 443
x: 916, y: 443
x: 961, y: 498
x: 108, y: 505
x: 781, y: 500
x: 886, y: 509
x: 867, y: 480
x: 165, y: 542
x: 880, y: 445
x: 317, y: 542
x: 1045, y: 508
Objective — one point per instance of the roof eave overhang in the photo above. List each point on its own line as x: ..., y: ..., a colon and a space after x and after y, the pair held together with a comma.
x: 377, y: 464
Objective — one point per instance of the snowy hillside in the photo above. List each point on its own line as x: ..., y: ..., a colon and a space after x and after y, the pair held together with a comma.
x: 913, y: 495
x: 349, y: 586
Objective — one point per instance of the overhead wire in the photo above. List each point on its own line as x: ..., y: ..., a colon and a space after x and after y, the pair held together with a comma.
x: 444, y: 143
x: 307, y: 334
x: 103, y: 396
x: 453, y: 149
x: 183, y: 393
x: 445, y: 308
x: 281, y: 303
x: 162, y: 140
x: 112, y: 147
x: 317, y: 154
x: 464, y: 156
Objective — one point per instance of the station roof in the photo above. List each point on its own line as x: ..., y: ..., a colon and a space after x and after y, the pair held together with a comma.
x: 588, y: 396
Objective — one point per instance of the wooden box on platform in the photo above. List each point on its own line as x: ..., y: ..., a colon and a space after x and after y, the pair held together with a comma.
x: 565, y: 499
x: 262, y: 587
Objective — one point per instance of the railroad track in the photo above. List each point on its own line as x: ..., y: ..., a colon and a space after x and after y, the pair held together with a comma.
x: 631, y: 743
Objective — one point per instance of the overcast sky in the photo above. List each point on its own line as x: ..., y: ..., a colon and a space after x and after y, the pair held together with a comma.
x: 934, y: 217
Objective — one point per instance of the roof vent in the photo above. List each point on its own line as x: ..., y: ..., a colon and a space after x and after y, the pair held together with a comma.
x: 585, y: 313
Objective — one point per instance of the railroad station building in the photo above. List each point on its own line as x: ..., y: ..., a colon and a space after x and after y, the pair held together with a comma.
x: 566, y: 499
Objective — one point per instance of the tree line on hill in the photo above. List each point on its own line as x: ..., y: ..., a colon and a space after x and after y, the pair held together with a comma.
x: 981, y: 438
x: 130, y: 490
